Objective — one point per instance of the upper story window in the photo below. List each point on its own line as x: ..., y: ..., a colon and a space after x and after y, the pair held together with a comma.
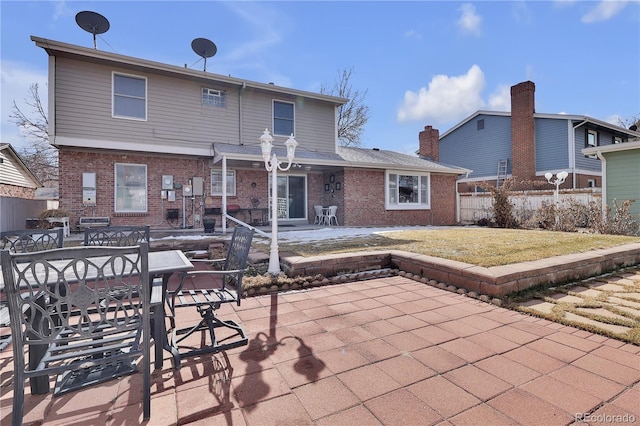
x: 591, y: 140
x: 407, y: 191
x: 129, y: 97
x: 131, y: 187
x: 216, y: 182
x: 480, y: 124
x: 282, y: 118
x: 214, y: 98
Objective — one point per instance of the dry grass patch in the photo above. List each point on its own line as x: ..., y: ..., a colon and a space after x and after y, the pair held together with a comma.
x: 477, y: 246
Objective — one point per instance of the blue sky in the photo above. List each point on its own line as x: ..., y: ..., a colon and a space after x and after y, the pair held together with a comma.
x: 421, y: 62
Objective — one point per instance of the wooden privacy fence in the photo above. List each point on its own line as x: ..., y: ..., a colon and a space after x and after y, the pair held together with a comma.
x: 479, y: 205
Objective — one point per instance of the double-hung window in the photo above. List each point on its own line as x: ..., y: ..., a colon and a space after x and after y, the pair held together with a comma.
x: 283, y: 118
x: 131, y: 188
x: 216, y: 182
x: 591, y: 140
x: 129, y: 97
x: 407, y: 190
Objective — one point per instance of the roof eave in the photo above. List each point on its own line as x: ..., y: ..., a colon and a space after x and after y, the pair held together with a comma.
x: 54, y: 48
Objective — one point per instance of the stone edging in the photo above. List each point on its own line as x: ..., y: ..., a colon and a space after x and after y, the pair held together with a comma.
x: 492, y: 281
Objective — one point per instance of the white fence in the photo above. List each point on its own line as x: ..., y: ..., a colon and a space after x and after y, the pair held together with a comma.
x: 476, y: 206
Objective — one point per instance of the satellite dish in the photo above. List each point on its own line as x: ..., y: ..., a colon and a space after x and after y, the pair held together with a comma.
x: 204, y: 48
x: 633, y: 127
x: 93, y: 23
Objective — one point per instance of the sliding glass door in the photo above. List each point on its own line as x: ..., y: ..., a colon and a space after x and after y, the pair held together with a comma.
x: 292, y: 197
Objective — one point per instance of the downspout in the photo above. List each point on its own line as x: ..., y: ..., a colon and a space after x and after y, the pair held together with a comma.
x: 572, y: 150
x: 224, y: 194
x: 240, y: 135
x: 457, y: 203
x: 604, y: 187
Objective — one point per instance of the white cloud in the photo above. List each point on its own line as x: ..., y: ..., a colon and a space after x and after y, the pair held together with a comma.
x: 253, y: 55
x: 500, y: 100
x: 522, y: 13
x: 470, y: 22
x: 446, y: 99
x: 604, y: 11
x: 413, y: 34
x: 15, y: 79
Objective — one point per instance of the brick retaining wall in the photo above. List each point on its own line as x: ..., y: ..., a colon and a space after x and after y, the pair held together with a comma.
x: 493, y: 281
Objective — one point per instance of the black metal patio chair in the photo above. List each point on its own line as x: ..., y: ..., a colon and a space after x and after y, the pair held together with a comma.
x: 118, y: 236
x: 24, y: 241
x: 207, y: 298
x: 81, y: 313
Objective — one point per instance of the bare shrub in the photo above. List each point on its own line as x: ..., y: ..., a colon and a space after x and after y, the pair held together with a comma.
x: 571, y: 216
x: 621, y: 222
x: 502, y: 210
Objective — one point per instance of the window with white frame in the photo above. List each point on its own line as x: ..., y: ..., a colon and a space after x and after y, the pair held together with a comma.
x: 214, y: 98
x: 131, y: 188
x: 407, y: 190
x: 216, y: 182
x: 591, y: 140
x: 129, y: 97
x: 283, y: 118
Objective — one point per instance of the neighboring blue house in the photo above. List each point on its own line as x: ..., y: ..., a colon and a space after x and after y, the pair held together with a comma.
x: 525, y: 145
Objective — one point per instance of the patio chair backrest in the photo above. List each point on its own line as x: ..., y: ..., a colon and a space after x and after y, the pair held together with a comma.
x: 116, y: 236
x: 86, y: 306
x: 237, y: 255
x: 31, y: 240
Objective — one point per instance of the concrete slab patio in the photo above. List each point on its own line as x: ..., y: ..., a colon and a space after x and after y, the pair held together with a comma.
x: 385, y: 351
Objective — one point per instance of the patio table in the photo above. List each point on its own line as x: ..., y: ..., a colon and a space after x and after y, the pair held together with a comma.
x: 162, y: 264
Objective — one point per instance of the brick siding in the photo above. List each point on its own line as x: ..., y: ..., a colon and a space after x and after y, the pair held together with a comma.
x: 523, y: 151
x: 364, y: 201
x: 17, y: 191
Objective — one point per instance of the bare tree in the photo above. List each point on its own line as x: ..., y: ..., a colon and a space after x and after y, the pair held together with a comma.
x: 353, y: 115
x: 627, y: 123
x: 39, y: 155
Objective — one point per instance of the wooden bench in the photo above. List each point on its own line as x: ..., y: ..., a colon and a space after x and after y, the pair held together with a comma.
x: 93, y: 222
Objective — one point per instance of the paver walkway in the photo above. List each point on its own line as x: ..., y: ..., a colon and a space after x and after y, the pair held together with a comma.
x: 388, y: 351
x: 609, y: 304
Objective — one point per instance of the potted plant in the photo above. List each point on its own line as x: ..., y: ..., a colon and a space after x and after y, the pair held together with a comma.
x: 51, y: 217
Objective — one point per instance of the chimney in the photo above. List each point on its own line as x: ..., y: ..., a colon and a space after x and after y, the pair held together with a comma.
x: 523, y: 149
x: 429, y: 139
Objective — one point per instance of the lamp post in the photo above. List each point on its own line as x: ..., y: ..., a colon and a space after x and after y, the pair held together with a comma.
x: 559, y: 180
x: 272, y: 165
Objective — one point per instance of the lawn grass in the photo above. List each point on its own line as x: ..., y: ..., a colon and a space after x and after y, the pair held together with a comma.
x: 478, y: 246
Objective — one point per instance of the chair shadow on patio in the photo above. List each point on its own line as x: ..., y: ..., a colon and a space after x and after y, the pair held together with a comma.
x: 217, y: 369
x: 253, y: 387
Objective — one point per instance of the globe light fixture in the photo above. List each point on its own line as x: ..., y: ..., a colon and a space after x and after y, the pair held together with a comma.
x: 271, y: 164
x: 557, y: 181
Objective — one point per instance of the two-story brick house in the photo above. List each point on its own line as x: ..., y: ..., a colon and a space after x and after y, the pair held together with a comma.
x: 525, y: 145
x: 143, y: 142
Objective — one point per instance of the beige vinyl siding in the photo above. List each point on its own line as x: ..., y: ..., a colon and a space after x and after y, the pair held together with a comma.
x: 314, y: 122
x: 175, y: 113
x: 174, y: 109
x: 13, y: 174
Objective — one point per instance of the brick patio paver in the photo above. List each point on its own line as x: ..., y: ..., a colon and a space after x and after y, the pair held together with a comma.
x: 357, y: 353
